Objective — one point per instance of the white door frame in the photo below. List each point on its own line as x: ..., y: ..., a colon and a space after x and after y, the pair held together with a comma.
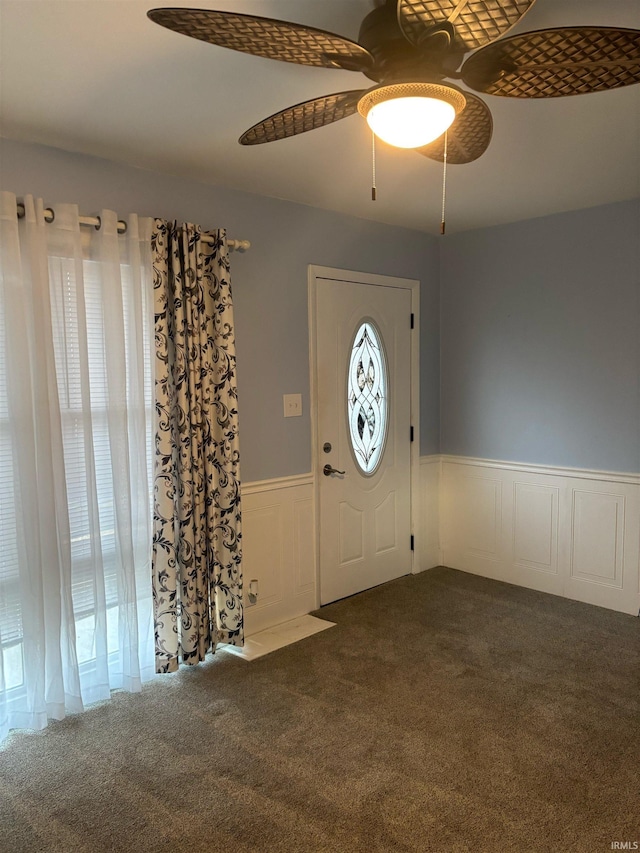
x: 320, y: 272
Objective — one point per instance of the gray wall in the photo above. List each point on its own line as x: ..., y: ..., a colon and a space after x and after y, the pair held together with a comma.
x: 530, y: 332
x: 540, y: 331
x: 269, y: 282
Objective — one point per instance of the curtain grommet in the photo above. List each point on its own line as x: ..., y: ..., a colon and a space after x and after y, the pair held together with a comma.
x: 99, y: 225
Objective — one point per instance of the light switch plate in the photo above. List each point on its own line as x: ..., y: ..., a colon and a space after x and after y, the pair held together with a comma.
x: 292, y: 405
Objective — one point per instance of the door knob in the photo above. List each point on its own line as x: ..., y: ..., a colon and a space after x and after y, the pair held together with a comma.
x: 329, y: 469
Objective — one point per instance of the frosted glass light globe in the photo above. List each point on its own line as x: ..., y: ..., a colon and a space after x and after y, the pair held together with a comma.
x: 410, y: 122
x: 410, y: 115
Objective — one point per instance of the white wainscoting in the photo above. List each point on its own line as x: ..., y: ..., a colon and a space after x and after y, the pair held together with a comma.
x: 564, y: 531
x: 428, y: 533
x: 278, y: 540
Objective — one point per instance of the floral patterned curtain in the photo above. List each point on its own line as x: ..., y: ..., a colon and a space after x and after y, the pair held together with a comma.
x: 197, y: 573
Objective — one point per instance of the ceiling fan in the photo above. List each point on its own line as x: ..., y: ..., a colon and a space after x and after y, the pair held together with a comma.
x: 412, y: 49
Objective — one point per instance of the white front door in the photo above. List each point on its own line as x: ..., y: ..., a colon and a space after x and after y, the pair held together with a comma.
x: 363, y: 365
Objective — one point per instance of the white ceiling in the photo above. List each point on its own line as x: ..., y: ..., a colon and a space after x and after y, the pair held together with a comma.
x: 96, y: 76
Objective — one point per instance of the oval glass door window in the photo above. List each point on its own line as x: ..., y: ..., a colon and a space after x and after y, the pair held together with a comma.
x: 367, y: 397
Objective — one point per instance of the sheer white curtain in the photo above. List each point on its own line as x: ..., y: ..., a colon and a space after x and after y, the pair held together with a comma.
x: 76, y: 335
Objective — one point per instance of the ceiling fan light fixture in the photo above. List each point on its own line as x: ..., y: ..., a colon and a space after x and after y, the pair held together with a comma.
x: 410, y: 115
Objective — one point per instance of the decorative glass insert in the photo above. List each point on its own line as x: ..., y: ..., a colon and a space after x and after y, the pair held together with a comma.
x: 367, y: 397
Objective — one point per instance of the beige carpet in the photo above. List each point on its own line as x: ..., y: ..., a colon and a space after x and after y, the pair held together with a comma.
x: 444, y: 712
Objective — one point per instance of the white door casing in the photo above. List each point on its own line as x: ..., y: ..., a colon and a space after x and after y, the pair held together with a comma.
x: 365, y: 521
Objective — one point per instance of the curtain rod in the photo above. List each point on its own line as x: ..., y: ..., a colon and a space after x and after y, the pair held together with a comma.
x: 49, y: 216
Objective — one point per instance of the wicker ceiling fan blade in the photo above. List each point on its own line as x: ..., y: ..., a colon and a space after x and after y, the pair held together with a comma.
x: 476, y: 22
x: 555, y: 62
x: 266, y: 37
x: 467, y: 138
x: 303, y: 117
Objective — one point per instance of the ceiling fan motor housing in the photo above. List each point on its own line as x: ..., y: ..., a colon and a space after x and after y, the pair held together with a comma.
x: 396, y: 59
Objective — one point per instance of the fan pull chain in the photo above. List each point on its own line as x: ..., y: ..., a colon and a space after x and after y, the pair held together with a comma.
x: 444, y: 184
x: 373, y: 166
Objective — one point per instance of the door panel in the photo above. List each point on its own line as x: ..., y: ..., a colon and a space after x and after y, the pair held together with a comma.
x: 365, y: 519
